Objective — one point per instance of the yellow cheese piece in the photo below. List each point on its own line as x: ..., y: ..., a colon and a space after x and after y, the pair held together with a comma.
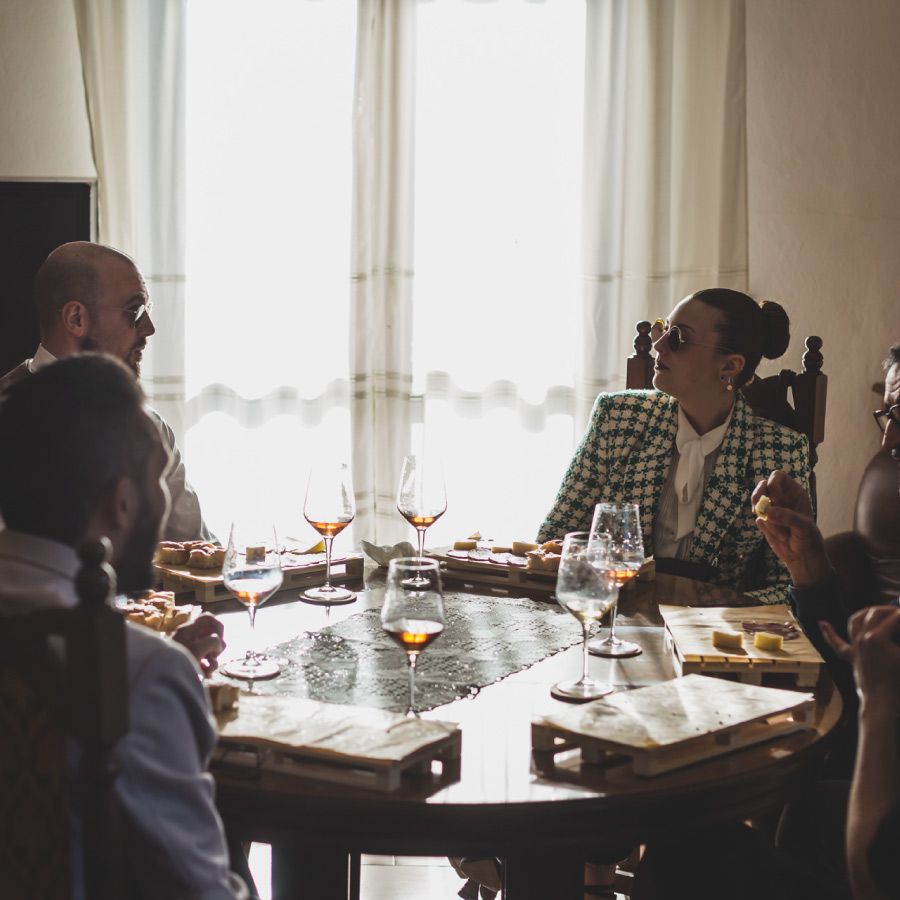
x: 762, y: 506
x: 728, y: 640
x: 765, y: 641
x: 465, y: 545
x: 520, y: 548
x: 499, y: 548
x: 316, y: 548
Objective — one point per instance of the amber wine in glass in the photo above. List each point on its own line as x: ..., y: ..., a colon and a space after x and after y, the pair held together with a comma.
x: 622, y: 522
x: 421, y: 496
x: 413, y: 611
x: 252, y: 572
x: 329, y: 507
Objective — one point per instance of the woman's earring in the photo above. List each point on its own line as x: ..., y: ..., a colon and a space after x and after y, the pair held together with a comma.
x: 730, y: 385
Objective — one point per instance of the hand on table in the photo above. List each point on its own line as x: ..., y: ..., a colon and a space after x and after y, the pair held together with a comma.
x: 790, y: 529
x: 204, y: 638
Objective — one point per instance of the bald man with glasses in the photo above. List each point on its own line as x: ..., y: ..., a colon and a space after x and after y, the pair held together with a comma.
x: 92, y: 297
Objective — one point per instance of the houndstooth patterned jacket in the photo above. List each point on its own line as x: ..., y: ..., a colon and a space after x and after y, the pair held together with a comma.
x: 625, y: 455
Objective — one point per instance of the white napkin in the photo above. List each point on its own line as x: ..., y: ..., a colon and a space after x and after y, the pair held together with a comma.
x: 693, y: 449
x: 383, y: 555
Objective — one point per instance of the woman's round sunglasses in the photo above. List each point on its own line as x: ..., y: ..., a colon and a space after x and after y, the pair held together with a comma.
x: 676, y: 339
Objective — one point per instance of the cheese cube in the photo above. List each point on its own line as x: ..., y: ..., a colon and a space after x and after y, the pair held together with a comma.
x: 520, y: 548
x: 728, y: 640
x: 762, y: 506
x: 766, y: 641
x: 465, y: 545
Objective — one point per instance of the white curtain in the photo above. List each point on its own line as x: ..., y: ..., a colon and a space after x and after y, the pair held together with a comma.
x: 382, y: 260
x: 663, y: 213
x: 133, y: 57
x: 665, y: 199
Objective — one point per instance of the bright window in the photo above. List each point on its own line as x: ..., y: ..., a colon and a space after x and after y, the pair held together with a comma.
x: 499, y: 107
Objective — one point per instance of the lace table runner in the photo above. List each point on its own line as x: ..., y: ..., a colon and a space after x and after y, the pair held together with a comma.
x: 485, y: 639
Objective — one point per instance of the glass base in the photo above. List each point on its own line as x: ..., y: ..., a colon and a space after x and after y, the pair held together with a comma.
x: 327, y: 596
x: 580, y: 691
x: 261, y: 667
x: 613, y: 649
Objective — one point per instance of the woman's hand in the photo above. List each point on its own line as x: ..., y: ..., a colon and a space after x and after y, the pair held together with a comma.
x: 203, y: 637
x: 790, y: 529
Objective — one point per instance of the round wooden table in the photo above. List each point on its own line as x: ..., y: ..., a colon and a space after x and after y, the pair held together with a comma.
x: 543, y: 817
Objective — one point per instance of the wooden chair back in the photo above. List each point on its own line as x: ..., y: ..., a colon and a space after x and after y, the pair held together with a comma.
x: 48, y: 698
x: 768, y: 397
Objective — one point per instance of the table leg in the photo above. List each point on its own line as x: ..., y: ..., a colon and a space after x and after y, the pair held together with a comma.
x: 537, y: 876
x: 299, y: 873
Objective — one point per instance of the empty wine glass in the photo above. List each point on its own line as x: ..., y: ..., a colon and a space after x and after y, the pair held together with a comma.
x: 329, y: 507
x: 413, y: 611
x: 586, y: 588
x: 252, y: 572
x: 421, y: 496
x: 622, y: 522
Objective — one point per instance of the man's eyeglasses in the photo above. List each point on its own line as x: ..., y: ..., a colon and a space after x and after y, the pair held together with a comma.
x: 883, y: 416
x: 676, y: 338
x: 137, y: 311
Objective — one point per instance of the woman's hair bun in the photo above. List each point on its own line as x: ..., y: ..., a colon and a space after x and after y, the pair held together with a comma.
x: 776, y: 329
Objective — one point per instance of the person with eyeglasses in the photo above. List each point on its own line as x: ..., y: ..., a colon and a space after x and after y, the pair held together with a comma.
x: 837, y: 837
x: 89, y: 296
x: 691, y: 451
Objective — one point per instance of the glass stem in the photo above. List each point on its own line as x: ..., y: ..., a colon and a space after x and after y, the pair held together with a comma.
x: 412, y: 683
x: 612, y: 619
x: 328, y: 542
x: 421, y: 535
x: 251, y: 649
x: 586, y: 630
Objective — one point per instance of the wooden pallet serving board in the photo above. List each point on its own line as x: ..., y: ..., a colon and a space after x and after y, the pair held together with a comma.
x: 489, y: 571
x: 360, y: 747
x: 689, y: 636
x: 673, y: 724
x: 205, y: 586
x: 495, y: 571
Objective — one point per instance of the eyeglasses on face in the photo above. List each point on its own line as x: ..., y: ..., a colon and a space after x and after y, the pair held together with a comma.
x: 883, y: 416
x: 137, y: 311
x: 676, y: 338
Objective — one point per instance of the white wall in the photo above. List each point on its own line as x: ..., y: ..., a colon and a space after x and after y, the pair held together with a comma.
x: 43, y: 117
x: 823, y: 131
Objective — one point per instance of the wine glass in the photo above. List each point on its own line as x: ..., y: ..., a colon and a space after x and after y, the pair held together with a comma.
x: 252, y: 572
x: 586, y: 588
x: 329, y: 507
x: 622, y: 522
x: 421, y: 496
x: 413, y: 611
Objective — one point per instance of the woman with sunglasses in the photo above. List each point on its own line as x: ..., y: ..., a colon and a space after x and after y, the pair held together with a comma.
x: 691, y: 452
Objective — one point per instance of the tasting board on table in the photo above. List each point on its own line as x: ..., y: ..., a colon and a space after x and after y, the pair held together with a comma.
x: 491, y: 572
x: 360, y: 747
x: 689, y: 635
x: 673, y: 724
x: 205, y: 585
x: 497, y: 574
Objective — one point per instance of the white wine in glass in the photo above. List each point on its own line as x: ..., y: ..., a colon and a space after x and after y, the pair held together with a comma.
x: 622, y: 522
x: 413, y: 610
x: 421, y: 495
x: 252, y: 572
x: 329, y: 507
x: 585, y: 587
